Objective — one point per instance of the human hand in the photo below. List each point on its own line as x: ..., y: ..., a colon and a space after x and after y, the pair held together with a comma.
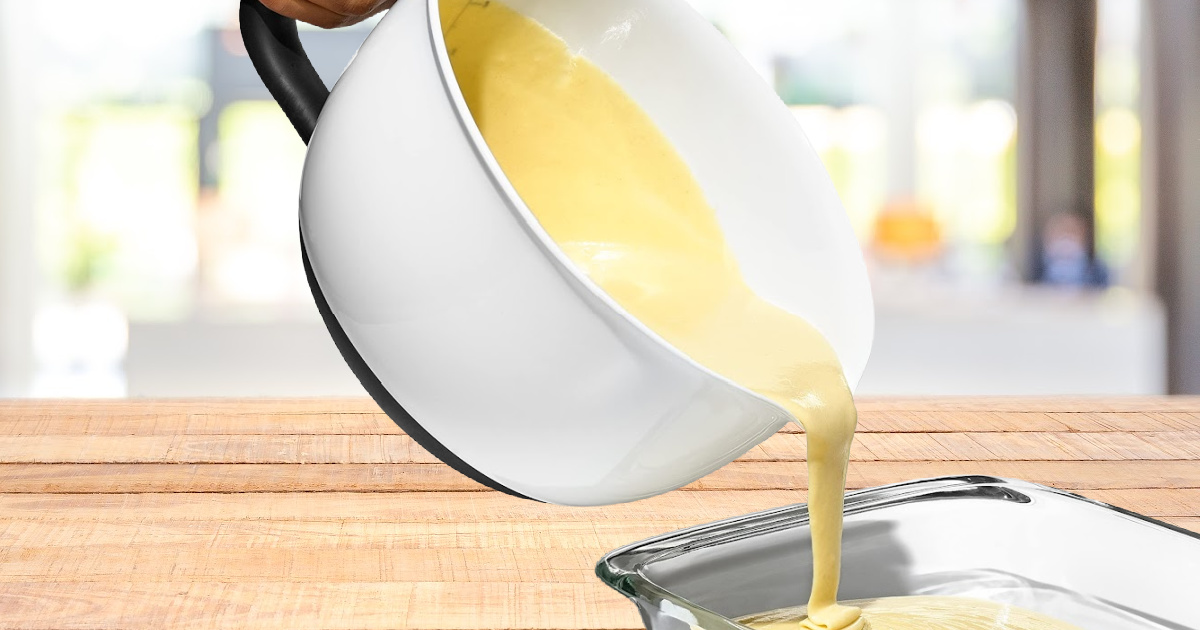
x: 328, y: 13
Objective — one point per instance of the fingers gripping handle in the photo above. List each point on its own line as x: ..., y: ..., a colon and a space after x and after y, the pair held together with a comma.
x: 274, y: 47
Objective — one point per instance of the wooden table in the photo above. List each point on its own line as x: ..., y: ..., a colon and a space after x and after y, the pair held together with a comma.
x: 322, y: 514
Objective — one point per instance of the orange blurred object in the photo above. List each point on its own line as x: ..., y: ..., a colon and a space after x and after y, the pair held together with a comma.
x: 907, y: 230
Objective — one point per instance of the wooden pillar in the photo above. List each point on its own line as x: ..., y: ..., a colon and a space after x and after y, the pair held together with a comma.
x: 1056, y: 123
x: 1173, y: 174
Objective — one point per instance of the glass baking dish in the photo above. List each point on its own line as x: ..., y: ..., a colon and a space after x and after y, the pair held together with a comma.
x: 1057, y: 553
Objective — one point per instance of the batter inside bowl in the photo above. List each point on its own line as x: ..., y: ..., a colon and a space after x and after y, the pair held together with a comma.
x: 617, y: 198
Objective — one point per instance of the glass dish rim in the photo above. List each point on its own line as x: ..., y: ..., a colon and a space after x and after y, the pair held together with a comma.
x: 621, y: 569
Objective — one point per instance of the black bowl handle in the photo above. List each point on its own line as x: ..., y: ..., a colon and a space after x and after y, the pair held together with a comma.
x: 274, y: 47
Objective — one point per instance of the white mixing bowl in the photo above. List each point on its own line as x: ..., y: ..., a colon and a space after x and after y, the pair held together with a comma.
x: 477, y: 334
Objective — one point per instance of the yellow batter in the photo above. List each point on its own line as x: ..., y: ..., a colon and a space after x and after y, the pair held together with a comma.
x: 618, y: 199
x: 921, y: 613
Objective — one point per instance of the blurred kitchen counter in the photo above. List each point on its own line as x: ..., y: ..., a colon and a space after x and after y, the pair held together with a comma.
x: 320, y: 513
x: 930, y: 338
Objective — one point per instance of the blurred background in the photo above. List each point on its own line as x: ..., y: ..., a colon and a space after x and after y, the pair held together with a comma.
x: 1016, y: 171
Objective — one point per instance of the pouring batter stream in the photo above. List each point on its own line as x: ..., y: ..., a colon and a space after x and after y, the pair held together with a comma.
x: 618, y: 199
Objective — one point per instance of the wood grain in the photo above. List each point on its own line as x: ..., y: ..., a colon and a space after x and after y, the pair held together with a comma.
x: 323, y: 514
x: 330, y: 534
x: 306, y: 606
x: 410, y: 507
x: 739, y: 475
x: 114, y: 563
x: 106, y: 418
x: 401, y: 449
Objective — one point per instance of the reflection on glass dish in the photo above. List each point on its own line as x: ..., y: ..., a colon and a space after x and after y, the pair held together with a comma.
x: 1005, y: 541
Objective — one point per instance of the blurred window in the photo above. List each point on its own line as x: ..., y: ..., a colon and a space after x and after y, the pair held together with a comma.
x: 117, y: 209
x: 248, y: 225
x: 1118, y: 134
x: 910, y: 105
x: 167, y: 180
